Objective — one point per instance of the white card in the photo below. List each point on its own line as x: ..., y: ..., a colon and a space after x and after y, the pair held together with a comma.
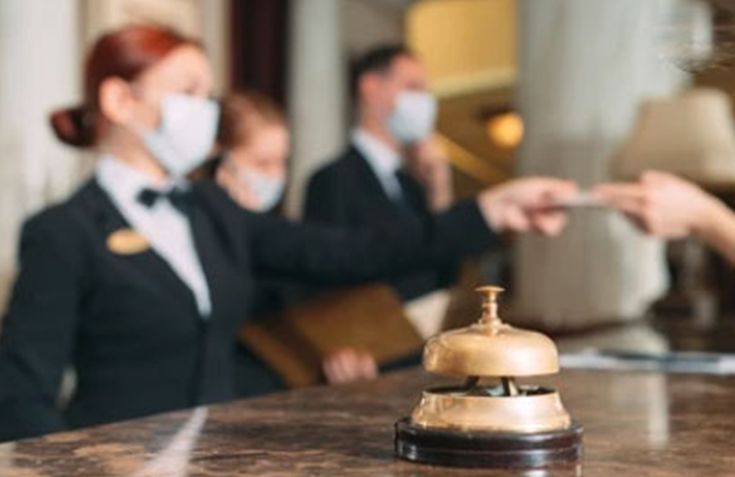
x: 584, y: 199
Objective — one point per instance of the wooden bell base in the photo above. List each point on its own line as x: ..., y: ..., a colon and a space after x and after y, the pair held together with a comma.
x: 487, y: 449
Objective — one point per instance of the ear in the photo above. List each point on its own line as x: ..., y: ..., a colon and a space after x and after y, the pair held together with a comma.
x: 116, y: 100
x: 368, y: 85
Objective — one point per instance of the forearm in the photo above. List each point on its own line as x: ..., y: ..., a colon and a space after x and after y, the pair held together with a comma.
x: 717, y: 229
x: 335, y: 255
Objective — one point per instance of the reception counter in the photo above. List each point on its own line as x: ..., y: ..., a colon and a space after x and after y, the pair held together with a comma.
x: 636, y: 424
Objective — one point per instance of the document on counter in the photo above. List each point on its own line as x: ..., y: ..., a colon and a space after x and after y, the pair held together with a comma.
x: 668, y: 362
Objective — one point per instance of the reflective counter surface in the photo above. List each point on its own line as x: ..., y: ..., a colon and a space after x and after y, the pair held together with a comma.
x: 636, y: 424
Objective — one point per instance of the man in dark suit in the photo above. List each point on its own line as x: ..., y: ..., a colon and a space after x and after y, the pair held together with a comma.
x: 393, y: 170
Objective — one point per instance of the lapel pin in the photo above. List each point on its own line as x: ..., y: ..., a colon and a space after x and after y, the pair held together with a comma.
x: 127, y: 242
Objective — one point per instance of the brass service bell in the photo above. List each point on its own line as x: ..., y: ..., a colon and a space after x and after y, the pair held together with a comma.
x: 491, y: 420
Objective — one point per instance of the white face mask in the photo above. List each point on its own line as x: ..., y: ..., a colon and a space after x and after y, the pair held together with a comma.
x: 413, y: 117
x: 266, y: 189
x: 186, y: 134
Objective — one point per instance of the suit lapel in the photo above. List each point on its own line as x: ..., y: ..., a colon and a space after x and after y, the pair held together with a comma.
x: 379, y: 199
x: 108, y: 219
x: 205, y: 243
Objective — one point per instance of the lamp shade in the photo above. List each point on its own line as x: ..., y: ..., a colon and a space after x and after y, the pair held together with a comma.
x: 691, y: 135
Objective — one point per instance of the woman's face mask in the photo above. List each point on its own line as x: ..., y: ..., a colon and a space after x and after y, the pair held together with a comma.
x: 185, y: 135
x: 259, y: 166
x: 413, y: 117
x: 266, y: 189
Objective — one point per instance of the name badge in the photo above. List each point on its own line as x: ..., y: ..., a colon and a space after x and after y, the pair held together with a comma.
x: 127, y: 242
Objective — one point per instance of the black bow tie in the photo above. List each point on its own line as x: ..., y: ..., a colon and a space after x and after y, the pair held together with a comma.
x: 179, y: 198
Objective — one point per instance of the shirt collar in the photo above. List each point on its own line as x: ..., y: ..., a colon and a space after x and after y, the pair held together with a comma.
x: 125, y: 182
x: 382, y: 159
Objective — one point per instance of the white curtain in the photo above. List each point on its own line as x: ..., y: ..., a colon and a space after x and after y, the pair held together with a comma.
x: 39, y: 71
x: 585, y: 66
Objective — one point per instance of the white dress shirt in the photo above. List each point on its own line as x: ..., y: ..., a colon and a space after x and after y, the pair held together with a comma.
x: 383, y: 160
x: 163, y: 225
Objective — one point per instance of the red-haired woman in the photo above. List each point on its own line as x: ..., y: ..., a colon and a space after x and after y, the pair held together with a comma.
x: 140, y: 280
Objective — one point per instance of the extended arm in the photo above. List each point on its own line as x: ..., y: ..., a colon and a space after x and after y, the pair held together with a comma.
x: 469, y: 227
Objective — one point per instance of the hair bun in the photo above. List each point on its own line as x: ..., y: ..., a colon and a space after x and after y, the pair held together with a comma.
x: 73, y: 126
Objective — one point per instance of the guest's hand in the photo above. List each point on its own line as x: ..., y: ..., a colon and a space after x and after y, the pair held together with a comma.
x: 428, y: 163
x: 348, y: 365
x: 528, y: 205
x: 662, y: 204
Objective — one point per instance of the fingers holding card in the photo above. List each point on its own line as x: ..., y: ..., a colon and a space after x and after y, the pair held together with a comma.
x: 527, y: 204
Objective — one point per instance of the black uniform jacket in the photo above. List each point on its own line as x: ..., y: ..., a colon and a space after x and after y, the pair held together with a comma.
x: 130, y: 327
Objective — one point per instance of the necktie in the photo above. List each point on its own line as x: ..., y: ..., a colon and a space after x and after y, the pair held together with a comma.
x: 404, y: 198
x: 179, y: 198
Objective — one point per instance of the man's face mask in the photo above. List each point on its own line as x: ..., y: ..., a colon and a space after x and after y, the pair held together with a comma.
x: 186, y: 134
x: 413, y: 117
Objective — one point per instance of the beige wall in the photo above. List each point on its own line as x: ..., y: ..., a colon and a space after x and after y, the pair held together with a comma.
x: 367, y: 23
x: 316, y: 91
x: 205, y: 19
x: 466, y: 44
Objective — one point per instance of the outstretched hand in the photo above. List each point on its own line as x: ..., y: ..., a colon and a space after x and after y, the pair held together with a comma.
x: 533, y: 204
x: 661, y: 204
x: 347, y: 365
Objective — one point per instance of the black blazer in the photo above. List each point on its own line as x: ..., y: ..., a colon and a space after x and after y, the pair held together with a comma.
x: 130, y: 327
x: 348, y: 193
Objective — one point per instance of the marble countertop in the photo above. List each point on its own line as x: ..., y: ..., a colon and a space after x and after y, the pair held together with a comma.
x: 635, y: 424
